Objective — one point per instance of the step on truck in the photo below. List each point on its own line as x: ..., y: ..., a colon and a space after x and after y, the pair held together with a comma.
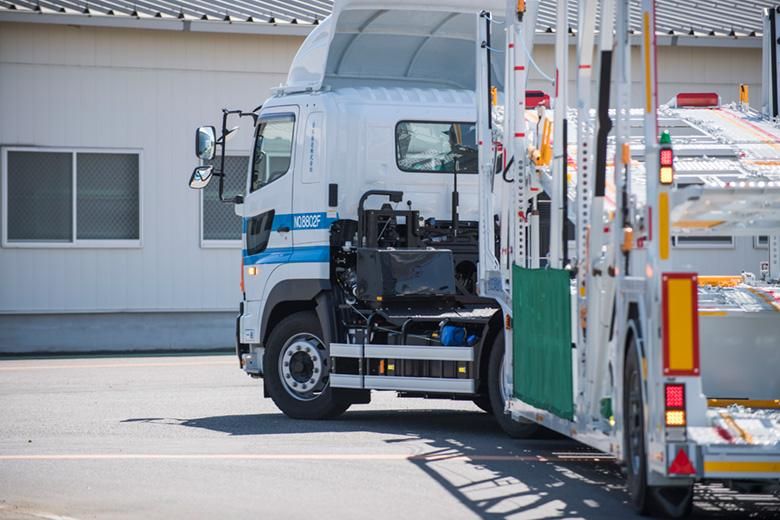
x: 361, y: 220
x: 627, y: 340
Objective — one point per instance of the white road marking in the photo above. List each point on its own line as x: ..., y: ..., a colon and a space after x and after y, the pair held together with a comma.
x: 287, y: 456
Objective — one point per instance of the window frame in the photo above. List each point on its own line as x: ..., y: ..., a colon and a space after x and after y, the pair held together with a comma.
x: 225, y: 243
x: 424, y: 121
x: 264, y: 116
x: 75, y: 242
x: 757, y: 242
x: 703, y: 245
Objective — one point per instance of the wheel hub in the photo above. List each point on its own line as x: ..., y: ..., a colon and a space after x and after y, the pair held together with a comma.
x: 302, y: 366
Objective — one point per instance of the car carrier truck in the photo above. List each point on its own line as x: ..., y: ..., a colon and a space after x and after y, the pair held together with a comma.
x: 620, y: 342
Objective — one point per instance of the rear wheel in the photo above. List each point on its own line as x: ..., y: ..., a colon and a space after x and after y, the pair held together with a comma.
x: 298, y: 368
x: 483, y: 403
x: 669, y: 502
x: 497, y: 390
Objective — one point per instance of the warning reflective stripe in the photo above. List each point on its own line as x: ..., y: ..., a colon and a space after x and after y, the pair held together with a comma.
x: 722, y: 466
x: 680, y: 324
x: 664, y: 240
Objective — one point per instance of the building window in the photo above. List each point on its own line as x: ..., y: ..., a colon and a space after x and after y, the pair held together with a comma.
x: 761, y: 242
x: 220, y: 222
x: 703, y: 242
x: 71, y: 198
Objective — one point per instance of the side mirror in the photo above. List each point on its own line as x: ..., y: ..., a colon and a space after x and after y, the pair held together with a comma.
x: 205, y: 142
x: 200, y: 177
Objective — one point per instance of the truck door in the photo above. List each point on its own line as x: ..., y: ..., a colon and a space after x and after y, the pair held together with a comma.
x: 268, y: 204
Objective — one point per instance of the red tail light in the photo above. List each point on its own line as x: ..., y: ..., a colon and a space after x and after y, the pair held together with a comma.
x: 697, y: 99
x: 667, y: 157
x: 674, y: 402
x: 675, y: 396
x: 534, y: 98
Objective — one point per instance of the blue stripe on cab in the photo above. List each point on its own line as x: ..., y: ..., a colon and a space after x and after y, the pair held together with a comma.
x: 290, y: 255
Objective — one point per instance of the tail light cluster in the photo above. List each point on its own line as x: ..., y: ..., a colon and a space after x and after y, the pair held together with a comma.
x: 674, y: 404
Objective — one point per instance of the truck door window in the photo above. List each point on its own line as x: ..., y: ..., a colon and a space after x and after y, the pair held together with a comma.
x: 435, y: 147
x: 273, y: 149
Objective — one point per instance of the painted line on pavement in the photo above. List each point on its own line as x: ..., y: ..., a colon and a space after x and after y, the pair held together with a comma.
x: 119, y: 365
x: 304, y: 456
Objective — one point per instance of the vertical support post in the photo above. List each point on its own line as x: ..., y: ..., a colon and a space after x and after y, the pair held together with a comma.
x: 518, y: 25
x: 587, y: 26
x: 771, y: 70
x: 774, y: 257
x: 598, y: 285
x: 560, y: 168
x: 487, y: 259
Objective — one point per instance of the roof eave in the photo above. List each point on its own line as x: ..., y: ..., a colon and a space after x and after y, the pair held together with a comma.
x: 302, y: 29
x: 131, y: 22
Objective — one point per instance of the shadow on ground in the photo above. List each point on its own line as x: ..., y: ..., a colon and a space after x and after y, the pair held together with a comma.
x: 494, y: 476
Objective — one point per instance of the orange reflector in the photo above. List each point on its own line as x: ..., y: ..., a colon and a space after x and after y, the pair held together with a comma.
x: 666, y: 175
x: 242, y: 275
x: 675, y: 417
x: 681, y: 465
x: 680, y: 324
x: 382, y: 366
x: 508, y: 322
x: 664, y: 240
x: 744, y: 94
x: 628, y: 240
x: 626, y: 155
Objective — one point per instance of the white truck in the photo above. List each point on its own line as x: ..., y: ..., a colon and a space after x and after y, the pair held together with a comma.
x: 361, y: 217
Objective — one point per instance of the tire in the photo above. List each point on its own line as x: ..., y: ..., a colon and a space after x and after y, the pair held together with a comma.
x: 517, y: 429
x: 297, y: 368
x: 483, y: 403
x: 667, y: 502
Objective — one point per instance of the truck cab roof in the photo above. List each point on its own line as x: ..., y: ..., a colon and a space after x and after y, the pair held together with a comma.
x: 405, y: 43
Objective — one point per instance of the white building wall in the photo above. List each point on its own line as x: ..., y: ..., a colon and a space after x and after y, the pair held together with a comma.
x: 63, y: 86
x: 89, y: 87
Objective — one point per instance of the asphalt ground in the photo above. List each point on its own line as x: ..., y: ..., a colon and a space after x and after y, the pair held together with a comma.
x: 191, y: 437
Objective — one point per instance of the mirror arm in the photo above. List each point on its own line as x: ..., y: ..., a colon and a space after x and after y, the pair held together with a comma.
x: 238, y: 199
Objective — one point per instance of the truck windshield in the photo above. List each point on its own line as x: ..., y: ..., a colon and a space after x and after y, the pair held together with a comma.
x: 434, y: 147
x: 273, y: 149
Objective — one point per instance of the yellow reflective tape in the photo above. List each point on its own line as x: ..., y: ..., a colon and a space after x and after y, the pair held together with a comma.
x: 697, y: 223
x: 749, y: 403
x: 713, y: 313
x: 722, y: 466
x: 663, y: 225
x: 648, y: 79
x: 680, y: 323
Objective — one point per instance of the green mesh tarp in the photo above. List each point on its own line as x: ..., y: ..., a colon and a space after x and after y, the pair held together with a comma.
x: 542, y: 354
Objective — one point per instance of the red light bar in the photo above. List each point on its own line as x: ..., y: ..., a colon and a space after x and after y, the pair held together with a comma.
x: 698, y: 99
x: 534, y: 98
x: 675, y: 396
x: 667, y: 157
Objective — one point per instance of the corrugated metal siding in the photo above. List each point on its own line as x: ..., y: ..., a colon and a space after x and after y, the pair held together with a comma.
x: 700, y: 18
x: 107, y: 88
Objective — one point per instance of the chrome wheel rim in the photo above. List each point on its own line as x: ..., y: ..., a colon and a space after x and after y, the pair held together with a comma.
x: 303, y: 366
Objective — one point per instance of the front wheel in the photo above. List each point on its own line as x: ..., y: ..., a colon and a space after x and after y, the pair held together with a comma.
x: 669, y: 502
x: 497, y: 390
x: 298, y: 368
